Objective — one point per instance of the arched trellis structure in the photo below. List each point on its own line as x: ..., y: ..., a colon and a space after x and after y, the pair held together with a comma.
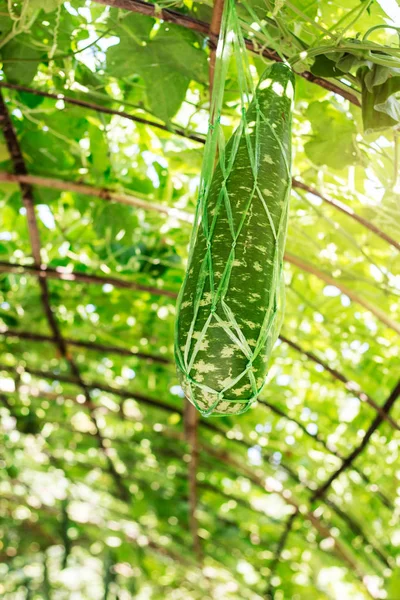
x: 103, y: 462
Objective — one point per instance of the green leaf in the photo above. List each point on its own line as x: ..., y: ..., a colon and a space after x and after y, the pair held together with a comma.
x: 99, y: 151
x: 19, y: 57
x: 325, y: 67
x: 8, y: 319
x: 167, y: 94
x: 376, y: 75
x: 30, y: 100
x: 180, y: 50
x: 166, y: 63
x: 46, y: 195
x: 137, y: 29
x: 380, y: 104
x: 5, y: 23
x: 335, y: 65
x: 305, y: 90
x: 390, y: 107
x: 111, y: 219
x: 86, y: 77
x: 12, y: 471
x: 191, y: 159
x: 308, y: 8
x: 347, y: 62
x: 331, y: 130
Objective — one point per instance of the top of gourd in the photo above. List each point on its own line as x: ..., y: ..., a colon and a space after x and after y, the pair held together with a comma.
x: 280, y: 77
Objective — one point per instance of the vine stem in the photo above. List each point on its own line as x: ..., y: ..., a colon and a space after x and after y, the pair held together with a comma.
x: 375, y: 27
x: 19, y: 22
x: 351, y: 48
x: 364, y: 7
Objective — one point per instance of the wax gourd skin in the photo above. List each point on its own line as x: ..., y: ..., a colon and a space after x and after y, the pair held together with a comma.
x: 230, y: 305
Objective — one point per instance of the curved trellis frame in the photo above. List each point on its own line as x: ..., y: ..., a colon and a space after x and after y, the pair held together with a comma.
x: 228, y: 459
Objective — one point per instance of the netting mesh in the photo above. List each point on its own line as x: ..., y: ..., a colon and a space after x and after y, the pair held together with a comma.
x: 231, y: 303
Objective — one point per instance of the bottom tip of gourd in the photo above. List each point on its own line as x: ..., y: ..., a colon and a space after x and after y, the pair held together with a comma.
x: 234, y: 410
x: 211, y: 404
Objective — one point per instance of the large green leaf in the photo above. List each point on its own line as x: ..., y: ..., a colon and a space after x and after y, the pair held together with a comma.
x: 21, y: 60
x: 166, y: 63
x: 332, y: 141
x: 108, y: 226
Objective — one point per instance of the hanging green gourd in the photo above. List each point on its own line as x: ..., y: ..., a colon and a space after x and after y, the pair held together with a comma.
x: 230, y: 305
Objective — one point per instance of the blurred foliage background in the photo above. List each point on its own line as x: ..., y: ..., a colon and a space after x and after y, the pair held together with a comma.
x: 106, y: 490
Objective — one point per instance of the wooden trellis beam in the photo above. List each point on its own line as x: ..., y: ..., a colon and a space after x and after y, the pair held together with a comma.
x: 34, y: 236
x: 350, y: 385
x: 98, y: 192
x: 70, y: 379
x: 172, y: 16
x: 111, y: 195
x: 171, y: 128
x: 94, y: 346
x: 348, y: 461
x: 174, y: 129
x: 349, y: 212
x: 77, y: 277
x: 214, y: 31
x: 131, y: 200
x: 380, y: 314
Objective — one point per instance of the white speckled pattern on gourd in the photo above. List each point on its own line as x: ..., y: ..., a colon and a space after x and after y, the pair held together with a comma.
x: 230, y: 304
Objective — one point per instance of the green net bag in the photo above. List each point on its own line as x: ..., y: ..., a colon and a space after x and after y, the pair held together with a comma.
x: 230, y: 306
